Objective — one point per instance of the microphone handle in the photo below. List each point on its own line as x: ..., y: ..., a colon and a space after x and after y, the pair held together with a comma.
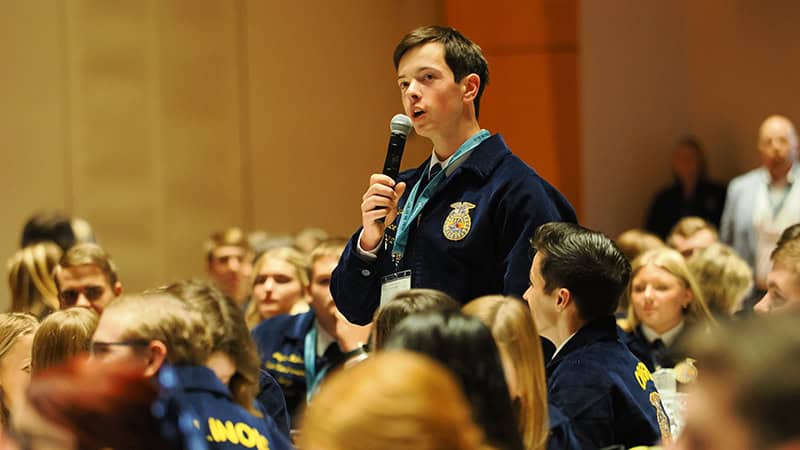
x: 394, y: 154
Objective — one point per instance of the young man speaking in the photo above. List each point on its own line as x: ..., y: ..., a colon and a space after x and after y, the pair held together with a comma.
x: 461, y: 221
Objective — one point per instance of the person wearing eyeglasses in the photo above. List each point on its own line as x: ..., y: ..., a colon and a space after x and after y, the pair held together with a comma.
x: 155, y: 330
x: 86, y: 277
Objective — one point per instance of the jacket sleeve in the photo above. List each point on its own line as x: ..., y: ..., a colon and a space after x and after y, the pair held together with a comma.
x: 356, y: 284
x: 521, y: 212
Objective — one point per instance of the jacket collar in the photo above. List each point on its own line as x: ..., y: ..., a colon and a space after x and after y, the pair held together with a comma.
x: 301, y: 324
x: 603, y: 329
x: 199, y: 378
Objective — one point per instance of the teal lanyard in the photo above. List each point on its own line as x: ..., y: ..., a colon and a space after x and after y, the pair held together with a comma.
x: 414, y: 204
x: 313, y: 379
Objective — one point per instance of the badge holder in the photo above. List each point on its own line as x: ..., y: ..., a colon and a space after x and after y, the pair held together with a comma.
x: 393, y: 284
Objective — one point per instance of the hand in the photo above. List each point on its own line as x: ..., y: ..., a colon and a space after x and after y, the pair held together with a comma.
x: 351, y: 336
x: 380, y: 201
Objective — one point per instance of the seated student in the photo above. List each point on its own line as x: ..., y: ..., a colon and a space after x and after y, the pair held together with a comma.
x: 723, y: 277
x: 395, y: 401
x: 229, y: 263
x: 86, y: 277
x: 300, y: 350
x: 404, y: 304
x: 30, y: 279
x: 61, y: 336
x: 86, y: 406
x: 513, y: 329
x: 466, y: 347
x: 747, y: 395
x: 634, y: 242
x: 279, y: 287
x: 691, y: 234
x: 234, y: 357
x: 783, y: 280
x: 151, y: 330
x: 577, y: 277
x: 666, y: 303
x: 16, y: 338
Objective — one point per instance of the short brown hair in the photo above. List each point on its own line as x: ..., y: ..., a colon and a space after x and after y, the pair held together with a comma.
x: 62, y: 335
x: 635, y: 242
x: 328, y: 247
x: 160, y: 316
x: 405, y: 304
x: 788, y: 255
x: 88, y: 254
x: 688, y: 226
x: 462, y: 56
x: 229, y: 237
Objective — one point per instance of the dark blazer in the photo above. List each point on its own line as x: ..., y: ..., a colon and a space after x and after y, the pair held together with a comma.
x: 652, y: 357
x: 670, y: 205
x: 508, y: 199
x: 270, y: 401
x: 607, y: 394
x: 281, y: 346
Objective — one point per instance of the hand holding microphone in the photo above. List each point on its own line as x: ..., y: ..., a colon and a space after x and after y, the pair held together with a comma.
x: 379, y: 205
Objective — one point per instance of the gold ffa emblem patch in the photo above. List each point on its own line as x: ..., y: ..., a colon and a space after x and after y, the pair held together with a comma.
x: 458, y: 223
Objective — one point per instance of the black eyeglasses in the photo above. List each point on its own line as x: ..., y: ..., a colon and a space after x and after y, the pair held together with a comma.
x: 70, y: 296
x: 99, y: 347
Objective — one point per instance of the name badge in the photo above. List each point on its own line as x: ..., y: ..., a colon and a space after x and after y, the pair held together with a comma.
x: 392, y: 284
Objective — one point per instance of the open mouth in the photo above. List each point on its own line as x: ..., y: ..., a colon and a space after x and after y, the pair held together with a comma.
x: 418, y: 113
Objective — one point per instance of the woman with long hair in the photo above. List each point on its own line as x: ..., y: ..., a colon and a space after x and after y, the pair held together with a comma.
x: 280, y: 283
x: 16, y: 339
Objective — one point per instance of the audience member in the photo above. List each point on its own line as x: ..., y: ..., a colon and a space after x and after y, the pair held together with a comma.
x: 466, y: 347
x: 229, y: 262
x: 516, y: 336
x: 788, y: 234
x: 86, y: 277
x: 783, y: 281
x: 234, y: 357
x: 61, y: 336
x: 309, y: 238
x: 747, y: 394
x: 30, y: 278
x: 261, y: 242
x: 404, y: 304
x: 764, y: 201
x: 151, y: 330
x: 723, y: 277
x: 634, y: 242
x: 576, y: 281
x: 472, y: 200
x: 394, y: 401
x: 48, y: 226
x: 301, y: 350
x: 692, y: 192
x: 16, y: 339
x: 666, y: 303
x: 83, y: 406
x: 691, y: 234
x: 280, y: 285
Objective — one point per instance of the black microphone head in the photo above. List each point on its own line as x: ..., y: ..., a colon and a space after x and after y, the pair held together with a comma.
x: 400, y: 124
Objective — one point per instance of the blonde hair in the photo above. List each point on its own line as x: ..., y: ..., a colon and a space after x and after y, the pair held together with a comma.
x: 30, y: 278
x: 689, y: 226
x: 332, y: 247
x: 12, y: 327
x: 723, y: 276
x: 788, y: 255
x: 515, y: 332
x: 62, y: 335
x: 287, y: 254
x: 163, y: 317
x: 674, y: 263
x: 396, y: 400
x: 229, y: 335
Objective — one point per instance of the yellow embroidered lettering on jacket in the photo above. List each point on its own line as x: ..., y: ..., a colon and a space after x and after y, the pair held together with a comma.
x: 642, y: 375
x: 282, y: 368
x: 238, y: 433
x: 292, y: 358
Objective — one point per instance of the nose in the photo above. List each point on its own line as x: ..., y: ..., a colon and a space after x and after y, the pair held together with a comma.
x: 233, y: 264
x: 762, y: 307
x: 648, y: 293
x: 413, y: 90
x: 82, y: 301
x: 269, y: 284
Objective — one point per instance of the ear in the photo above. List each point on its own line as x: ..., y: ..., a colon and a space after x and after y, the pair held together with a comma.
x: 688, y: 298
x: 471, y: 86
x: 157, y: 352
x: 117, y: 288
x: 563, y: 299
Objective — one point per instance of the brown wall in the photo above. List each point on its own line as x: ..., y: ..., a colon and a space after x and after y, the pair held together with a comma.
x: 160, y: 121
x: 652, y: 71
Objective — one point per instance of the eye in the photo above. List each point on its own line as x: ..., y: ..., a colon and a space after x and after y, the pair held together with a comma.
x: 325, y: 281
x: 283, y: 279
x: 403, y: 85
x: 638, y: 288
x: 260, y: 279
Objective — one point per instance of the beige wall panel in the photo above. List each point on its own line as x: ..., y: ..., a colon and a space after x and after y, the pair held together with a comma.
x: 32, y: 118
x: 634, y: 86
x: 200, y: 150
x: 113, y: 99
x: 322, y: 91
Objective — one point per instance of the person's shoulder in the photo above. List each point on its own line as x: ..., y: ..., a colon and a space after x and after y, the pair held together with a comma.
x: 282, y: 324
x: 746, y: 180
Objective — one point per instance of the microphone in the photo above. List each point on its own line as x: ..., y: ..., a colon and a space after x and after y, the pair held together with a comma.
x: 400, y: 126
